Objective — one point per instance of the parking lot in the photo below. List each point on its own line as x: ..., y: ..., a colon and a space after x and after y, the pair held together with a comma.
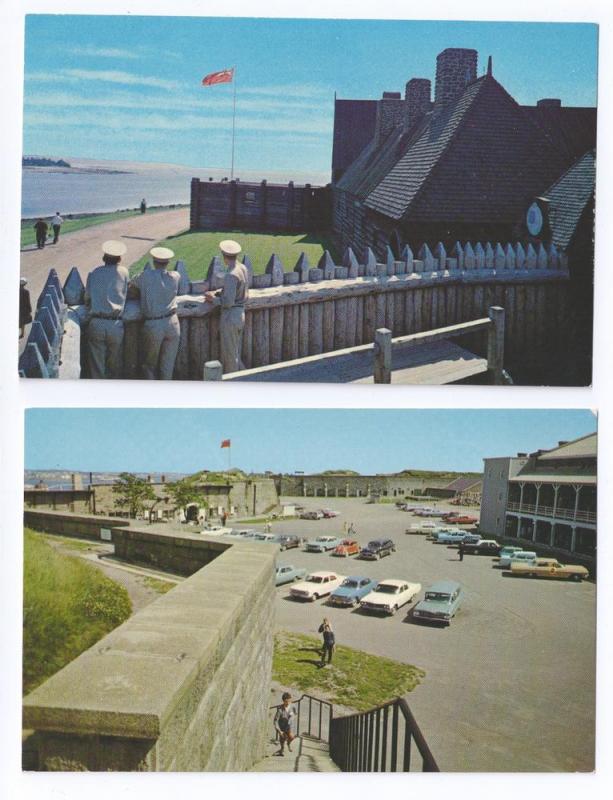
x: 510, y: 684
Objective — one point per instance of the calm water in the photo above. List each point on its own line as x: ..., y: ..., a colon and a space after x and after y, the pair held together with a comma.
x: 44, y: 192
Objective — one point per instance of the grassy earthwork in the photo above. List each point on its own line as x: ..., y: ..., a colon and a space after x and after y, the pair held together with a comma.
x: 68, y: 606
x: 355, y: 679
x: 197, y: 249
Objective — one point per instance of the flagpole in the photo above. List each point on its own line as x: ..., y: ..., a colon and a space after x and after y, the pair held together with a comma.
x: 230, y: 456
x: 233, y: 121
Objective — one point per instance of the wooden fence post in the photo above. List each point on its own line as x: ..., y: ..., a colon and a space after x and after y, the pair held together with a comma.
x: 213, y: 371
x: 383, y: 356
x: 495, y: 344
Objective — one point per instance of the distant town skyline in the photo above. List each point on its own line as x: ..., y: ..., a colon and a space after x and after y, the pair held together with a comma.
x: 289, y: 440
x: 146, y: 102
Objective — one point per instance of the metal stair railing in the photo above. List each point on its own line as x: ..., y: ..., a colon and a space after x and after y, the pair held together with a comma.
x: 314, y: 717
x: 380, y: 741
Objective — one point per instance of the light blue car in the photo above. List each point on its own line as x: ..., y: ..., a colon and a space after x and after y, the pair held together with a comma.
x: 351, y: 591
x: 287, y: 573
x: 322, y: 543
x: 440, y: 604
x: 451, y: 537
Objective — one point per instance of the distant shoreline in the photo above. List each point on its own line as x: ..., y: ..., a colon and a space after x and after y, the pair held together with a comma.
x: 77, y: 170
x: 83, y: 214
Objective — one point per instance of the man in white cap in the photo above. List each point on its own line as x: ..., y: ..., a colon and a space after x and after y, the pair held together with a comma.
x: 158, y: 289
x: 106, y: 290
x: 232, y: 299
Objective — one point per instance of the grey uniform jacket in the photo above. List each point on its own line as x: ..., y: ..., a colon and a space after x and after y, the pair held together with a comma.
x: 106, y: 291
x: 158, y: 292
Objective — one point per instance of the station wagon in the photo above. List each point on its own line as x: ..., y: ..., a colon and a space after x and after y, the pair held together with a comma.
x: 440, y: 604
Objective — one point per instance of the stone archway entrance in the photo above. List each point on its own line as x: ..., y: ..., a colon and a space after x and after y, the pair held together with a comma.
x: 191, y: 512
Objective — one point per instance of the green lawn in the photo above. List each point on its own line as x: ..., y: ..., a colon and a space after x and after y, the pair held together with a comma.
x: 197, y: 249
x: 355, y: 679
x: 28, y: 235
x: 68, y: 606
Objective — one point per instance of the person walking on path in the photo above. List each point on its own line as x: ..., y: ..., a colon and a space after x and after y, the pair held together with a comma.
x: 158, y: 289
x: 328, y: 641
x: 41, y: 228
x: 232, y: 299
x: 284, y: 723
x: 56, y: 222
x: 25, y: 307
x: 461, y: 551
x: 106, y: 290
x: 143, y: 206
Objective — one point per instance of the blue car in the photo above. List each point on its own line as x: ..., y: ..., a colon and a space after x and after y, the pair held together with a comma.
x: 351, y: 591
x: 440, y: 604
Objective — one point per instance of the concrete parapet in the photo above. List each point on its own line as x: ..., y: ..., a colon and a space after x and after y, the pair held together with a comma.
x: 168, y: 689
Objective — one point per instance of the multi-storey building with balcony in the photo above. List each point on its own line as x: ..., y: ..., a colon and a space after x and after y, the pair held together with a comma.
x: 547, y: 498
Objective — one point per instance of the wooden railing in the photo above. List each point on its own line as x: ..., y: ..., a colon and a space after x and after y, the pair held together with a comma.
x: 552, y: 511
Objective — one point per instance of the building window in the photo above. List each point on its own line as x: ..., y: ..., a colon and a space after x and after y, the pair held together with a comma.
x: 250, y: 197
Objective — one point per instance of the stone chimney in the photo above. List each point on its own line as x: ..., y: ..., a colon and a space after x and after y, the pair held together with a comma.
x: 549, y: 102
x: 417, y: 100
x: 390, y: 113
x: 456, y: 67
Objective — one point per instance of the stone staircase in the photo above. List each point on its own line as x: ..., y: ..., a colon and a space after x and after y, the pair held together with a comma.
x: 308, y: 755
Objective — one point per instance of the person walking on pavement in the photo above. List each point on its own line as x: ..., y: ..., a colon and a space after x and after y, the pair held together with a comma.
x: 106, y: 290
x: 143, y: 206
x: 461, y: 551
x: 56, y: 222
x: 284, y: 723
x: 41, y: 228
x: 329, y: 641
x: 232, y: 299
x: 158, y: 289
x: 25, y: 307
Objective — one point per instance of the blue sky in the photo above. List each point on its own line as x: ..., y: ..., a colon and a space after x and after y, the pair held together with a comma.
x: 375, y: 440
x: 129, y: 87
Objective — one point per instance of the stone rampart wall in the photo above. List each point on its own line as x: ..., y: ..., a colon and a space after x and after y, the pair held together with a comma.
x: 352, y: 485
x: 64, y: 524
x: 183, y: 685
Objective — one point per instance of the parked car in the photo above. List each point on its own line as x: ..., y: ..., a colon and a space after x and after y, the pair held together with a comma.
x: 311, y: 515
x: 352, y: 590
x: 377, y: 549
x: 441, y: 603
x: 509, y: 550
x: 267, y: 538
x: 449, y: 537
x: 215, y: 530
x: 287, y: 541
x: 390, y: 595
x: 549, y: 568
x: 523, y: 556
x: 322, y: 543
x: 484, y: 547
x: 424, y: 529
x: 461, y: 519
x: 316, y: 585
x: 287, y: 573
x: 237, y: 533
x: 438, y: 531
x: 348, y: 547
x: 329, y: 514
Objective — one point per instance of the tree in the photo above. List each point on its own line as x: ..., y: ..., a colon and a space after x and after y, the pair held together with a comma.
x: 133, y: 492
x: 186, y: 491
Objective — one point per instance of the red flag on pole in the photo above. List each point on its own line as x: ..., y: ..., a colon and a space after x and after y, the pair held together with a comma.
x: 225, y: 443
x: 224, y: 76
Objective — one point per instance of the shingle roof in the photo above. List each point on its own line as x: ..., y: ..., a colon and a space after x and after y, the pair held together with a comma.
x: 462, y: 484
x: 478, y: 160
x: 568, y: 198
x: 571, y: 128
x: 585, y: 447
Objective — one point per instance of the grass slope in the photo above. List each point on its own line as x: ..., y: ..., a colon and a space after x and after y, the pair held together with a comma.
x: 197, y: 249
x: 68, y: 606
x: 28, y: 234
x: 355, y: 679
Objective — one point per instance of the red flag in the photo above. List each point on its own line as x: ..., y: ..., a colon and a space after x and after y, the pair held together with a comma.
x: 225, y: 443
x: 225, y: 76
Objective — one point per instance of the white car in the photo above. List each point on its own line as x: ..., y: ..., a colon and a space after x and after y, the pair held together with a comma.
x: 424, y: 527
x: 390, y: 595
x: 215, y: 530
x: 316, y: 585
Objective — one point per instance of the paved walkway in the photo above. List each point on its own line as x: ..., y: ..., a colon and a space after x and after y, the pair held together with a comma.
x: 308, y: 755
x: 82, y: 248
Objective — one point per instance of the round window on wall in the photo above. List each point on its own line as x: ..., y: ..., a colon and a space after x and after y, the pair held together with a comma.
x: 534, y: 220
